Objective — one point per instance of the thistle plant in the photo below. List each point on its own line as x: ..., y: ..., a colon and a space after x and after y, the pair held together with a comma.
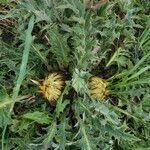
x: 74, y: 75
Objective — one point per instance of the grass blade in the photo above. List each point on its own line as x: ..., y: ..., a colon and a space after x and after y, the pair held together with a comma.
x: 138, y: 82
x: 137, y: 65
x: 28, y: 42
x: 138, y: 73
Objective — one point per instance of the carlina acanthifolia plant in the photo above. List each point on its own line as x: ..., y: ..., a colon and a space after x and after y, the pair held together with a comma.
x: 74, y: 74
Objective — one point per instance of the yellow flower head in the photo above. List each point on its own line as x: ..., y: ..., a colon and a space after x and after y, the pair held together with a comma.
x: 97, y: 87
x: 51, y: 87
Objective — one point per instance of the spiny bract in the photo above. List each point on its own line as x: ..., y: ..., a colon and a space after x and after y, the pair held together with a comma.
x: 97, y: 87
x: 52, y: 86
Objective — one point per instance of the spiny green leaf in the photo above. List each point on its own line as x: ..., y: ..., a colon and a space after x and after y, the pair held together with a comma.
x: 79, y: 82
x: 39, y: 117
x: 50, y: 134
x: 59, y: 46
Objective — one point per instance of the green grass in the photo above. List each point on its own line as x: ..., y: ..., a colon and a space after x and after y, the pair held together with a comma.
x: 80, y: 39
